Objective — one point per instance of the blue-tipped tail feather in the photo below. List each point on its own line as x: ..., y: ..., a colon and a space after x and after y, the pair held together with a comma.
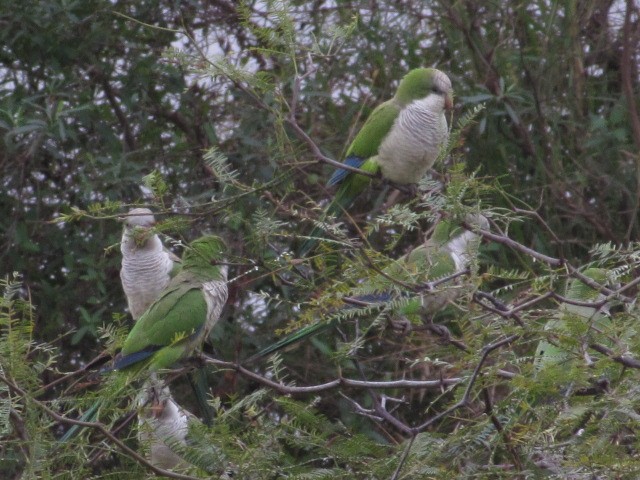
x: 340, y: 173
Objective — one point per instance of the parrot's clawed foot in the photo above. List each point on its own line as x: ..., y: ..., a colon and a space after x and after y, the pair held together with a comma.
x: 198, y: 360
x: 408, y: 189
x: 440, y: 330
x: 401, y: 325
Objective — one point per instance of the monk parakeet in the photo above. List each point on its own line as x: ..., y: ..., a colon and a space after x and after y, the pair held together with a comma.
x: 162, y: 425
x: 147, y: 267
x: 450, y: 249
x: 400, y: 140
x: 180, y: 319
x: 574, y: 321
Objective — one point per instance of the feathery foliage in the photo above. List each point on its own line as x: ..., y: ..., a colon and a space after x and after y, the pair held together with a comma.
x: 222, y: 117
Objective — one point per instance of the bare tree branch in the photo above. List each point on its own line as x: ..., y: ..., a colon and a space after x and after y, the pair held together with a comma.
x: 621, y: 359
x: 464, y: 401
x: 346, y: 382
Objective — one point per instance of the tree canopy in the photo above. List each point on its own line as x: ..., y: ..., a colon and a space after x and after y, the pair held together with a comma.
x: 224, y: 117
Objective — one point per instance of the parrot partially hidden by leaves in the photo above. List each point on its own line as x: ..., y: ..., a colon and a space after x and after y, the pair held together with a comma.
x: 400, y: 140
x: 574, y: 322
x: 147, y: 266
x: 162, y: 425
x: 171, y: 436
x: 180, y: 319
x: 449, y: 250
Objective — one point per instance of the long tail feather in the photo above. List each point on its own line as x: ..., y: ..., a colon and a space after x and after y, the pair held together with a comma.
x: 295, y: 337
x: 315, y: 329
x: 200, y: 386
x: 351, y: 186
x: 88, y: 416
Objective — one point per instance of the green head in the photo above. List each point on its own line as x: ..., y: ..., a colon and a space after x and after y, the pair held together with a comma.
x: 204, y: 251
x: 422, y: 82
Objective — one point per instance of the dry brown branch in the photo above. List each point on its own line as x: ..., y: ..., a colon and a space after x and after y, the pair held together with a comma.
x: 464, y: 401
x: 345, y: 382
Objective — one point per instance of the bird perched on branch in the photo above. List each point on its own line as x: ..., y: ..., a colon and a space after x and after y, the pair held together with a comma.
x: 574, y: 321
x: 400, y: 140
x: 185, y: 312
x: 179, y: 320
x: 147, y: 266
x: 162, y: 425
x: 450, y: 250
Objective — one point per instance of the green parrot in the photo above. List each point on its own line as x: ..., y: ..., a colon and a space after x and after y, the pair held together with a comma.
x: 180, y: 319
x: 170, y: 435
x: 450, y: 249
x: 400, y: 140
x: 147, y: 267
x: 549, y: 353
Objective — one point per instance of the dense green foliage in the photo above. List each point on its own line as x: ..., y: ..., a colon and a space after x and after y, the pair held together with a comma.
x: 217, y: 115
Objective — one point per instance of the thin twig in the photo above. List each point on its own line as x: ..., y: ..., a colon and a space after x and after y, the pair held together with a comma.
x: 506, y: 438
x: 97, y: 426
x: 84, y: 370
x: 504, y: 240
x: 403, y: 458
x: 621, y: 359
x: 464, y: 401
x: 380, y: 409
x: 346, y: 382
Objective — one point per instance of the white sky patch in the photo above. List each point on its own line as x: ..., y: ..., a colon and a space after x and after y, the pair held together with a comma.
x: 257, y: 305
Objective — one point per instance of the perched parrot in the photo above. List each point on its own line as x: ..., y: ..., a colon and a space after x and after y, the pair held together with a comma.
x: 166, y: 433
x: 147, y: 267
x: 572, y: 318
x: 162, y: 424
x: 179, y: 321
x: 400, y: 140
x: 450, y: 249
x: 183, y: 315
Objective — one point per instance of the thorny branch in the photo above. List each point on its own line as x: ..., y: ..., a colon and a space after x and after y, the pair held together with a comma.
x: 621, y: 359
x: 379, y: 411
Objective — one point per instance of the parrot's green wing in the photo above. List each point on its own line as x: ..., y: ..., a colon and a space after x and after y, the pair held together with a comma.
x: 375, y: 128
x: 361, y: 154
x: 363, y: 147
x: 449, y: 250
x: 178, y: 313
